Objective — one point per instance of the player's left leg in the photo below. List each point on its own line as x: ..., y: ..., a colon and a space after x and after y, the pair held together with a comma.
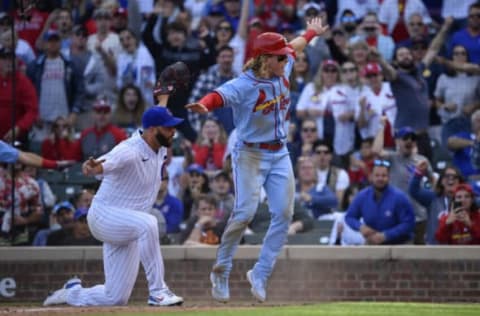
x: 280, y: 189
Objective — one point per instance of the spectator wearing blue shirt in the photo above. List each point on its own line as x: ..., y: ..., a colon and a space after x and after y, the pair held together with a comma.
x: 387, y: 214
x: 170, y: 207
x: 469, y: 37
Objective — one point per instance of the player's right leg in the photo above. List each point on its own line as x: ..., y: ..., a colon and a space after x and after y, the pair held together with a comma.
x: 248, y: 178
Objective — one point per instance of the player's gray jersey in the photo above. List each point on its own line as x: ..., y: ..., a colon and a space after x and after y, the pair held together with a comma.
x: 132, y: 174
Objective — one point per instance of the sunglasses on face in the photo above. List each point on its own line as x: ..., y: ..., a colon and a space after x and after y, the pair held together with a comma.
x: 451, y: 176
x: 322, y: 151
x: 416, y: 24
x: 224, y: 28
x: 459, y: 53
x: 349, y: 69
x: 474, y: 15
x: 281, y: 58
x: 381, y: 163
x: 309, y: 129
x: 409, y: 137
x: 330, y: 70
x: 102, y: 110
x: 371, y: 76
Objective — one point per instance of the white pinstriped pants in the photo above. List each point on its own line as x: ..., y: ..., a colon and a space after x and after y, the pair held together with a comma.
x: 128, y: 237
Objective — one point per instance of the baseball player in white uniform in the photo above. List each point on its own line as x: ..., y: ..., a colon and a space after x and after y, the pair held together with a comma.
x: 119, y: 216
x: 260, y: 99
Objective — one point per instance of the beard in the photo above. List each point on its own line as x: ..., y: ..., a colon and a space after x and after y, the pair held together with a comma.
x: 408, y: 65
x: 162, y: 140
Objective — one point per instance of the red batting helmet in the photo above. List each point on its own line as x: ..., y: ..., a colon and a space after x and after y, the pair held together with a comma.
x: 272, y: 44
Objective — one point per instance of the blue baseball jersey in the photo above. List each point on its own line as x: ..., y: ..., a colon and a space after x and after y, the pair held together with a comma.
x: 8, y: 153
x: 260, y: 106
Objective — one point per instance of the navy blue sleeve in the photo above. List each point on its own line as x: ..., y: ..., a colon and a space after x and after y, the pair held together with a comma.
x: 403, y: 231
x: 354, y: 212
x: 421, y: 195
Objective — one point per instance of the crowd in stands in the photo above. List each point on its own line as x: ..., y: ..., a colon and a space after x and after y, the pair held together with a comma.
x: 384, y: 121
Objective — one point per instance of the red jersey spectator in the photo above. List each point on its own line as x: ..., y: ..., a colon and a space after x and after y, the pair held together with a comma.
x: 29, y: 25
x: 60, y: 146
x: 26, y: 103
x: 103, y: 136
x: 461, y: 225
x: 210, y: 146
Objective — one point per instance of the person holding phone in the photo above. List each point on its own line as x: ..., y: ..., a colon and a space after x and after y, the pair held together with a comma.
x: 461, y: 225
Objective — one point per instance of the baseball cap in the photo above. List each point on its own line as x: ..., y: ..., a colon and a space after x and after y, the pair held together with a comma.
x: 195, y: 168
x: 102, y: 13
x: 120, y: 12
x: 80, y: 212
x: 371, y: 69
x: 463, y: 187
x: 329, y: 63
x: 312, y: 8
x: 286, y: 27
x: 51, y: 34
x: 64, y: 205
x: 102, y: 104
x: 255, y: 21
x: 405, y: 131
x: 159, y: 116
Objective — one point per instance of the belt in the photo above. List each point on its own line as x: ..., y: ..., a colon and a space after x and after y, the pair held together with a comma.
x: 269, y: 146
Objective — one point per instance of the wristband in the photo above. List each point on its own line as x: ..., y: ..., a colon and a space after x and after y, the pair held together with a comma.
x: 49, y: 164
x: 309, y: 35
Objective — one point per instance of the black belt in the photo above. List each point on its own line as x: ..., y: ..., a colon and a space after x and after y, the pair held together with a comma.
x: 269, y: 146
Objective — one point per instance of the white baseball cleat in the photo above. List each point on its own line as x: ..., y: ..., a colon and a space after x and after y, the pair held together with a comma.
x: 60, y: 295
x: 165, y: 298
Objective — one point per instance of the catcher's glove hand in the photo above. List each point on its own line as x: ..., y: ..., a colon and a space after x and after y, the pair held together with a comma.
x: 173, y: 77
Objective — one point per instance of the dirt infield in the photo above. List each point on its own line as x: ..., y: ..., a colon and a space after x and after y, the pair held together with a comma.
x: 38, y: 310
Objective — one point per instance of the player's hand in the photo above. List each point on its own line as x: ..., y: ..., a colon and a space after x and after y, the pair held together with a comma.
x: 422, y: 167
x: 316, y: 24
x: 61, y: 164
x: 197, y: 108
x: 92, y: 167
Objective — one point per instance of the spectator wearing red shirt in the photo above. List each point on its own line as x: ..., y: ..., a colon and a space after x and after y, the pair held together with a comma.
x: 273, y: 13
x: 26, y: 102
x: 29, y: 24
x: 103, y: 136
x: 210, y: 146
x: 60, y: 145
x: 461, y: 225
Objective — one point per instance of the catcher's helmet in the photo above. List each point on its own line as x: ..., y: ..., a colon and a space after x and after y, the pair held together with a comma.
x: 271, y: 43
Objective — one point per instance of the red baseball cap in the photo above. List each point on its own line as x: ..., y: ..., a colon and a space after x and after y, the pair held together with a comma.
x: 463, y: 187
x: 329, y: 63
x: 371, y: 69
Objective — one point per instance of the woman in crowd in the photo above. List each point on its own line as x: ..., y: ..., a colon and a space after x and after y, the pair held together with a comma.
x: 436, y: 201
x: 209, y: 149
x: 461, y: 225
x: 130, y: 107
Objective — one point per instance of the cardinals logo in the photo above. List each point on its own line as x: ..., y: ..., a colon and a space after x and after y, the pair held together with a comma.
x: 260, y: 100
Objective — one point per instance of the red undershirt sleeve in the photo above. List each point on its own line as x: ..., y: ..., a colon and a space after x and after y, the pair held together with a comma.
x: 212, y: 101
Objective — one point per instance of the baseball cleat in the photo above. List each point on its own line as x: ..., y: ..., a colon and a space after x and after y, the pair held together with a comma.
x: 220, y: 291
x: 258, y: 286
x: 60, y: 295
x: 165, y: 298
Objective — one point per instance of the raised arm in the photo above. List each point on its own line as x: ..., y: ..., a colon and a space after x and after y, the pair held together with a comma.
x: 314, y: 28
x: 437, y: 42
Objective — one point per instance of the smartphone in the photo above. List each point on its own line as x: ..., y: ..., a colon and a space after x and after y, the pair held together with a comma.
x: 457, y: 206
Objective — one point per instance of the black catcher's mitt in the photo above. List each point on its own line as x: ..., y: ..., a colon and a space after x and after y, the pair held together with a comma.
x: 173, y: 77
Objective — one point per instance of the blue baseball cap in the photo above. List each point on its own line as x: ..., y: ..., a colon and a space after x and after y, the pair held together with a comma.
x: 195, y: 168
x: 405, y: 131
x: 159, y: 116
x: 80, y: 212
x: 64, y: 205
x: 51, y: 34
